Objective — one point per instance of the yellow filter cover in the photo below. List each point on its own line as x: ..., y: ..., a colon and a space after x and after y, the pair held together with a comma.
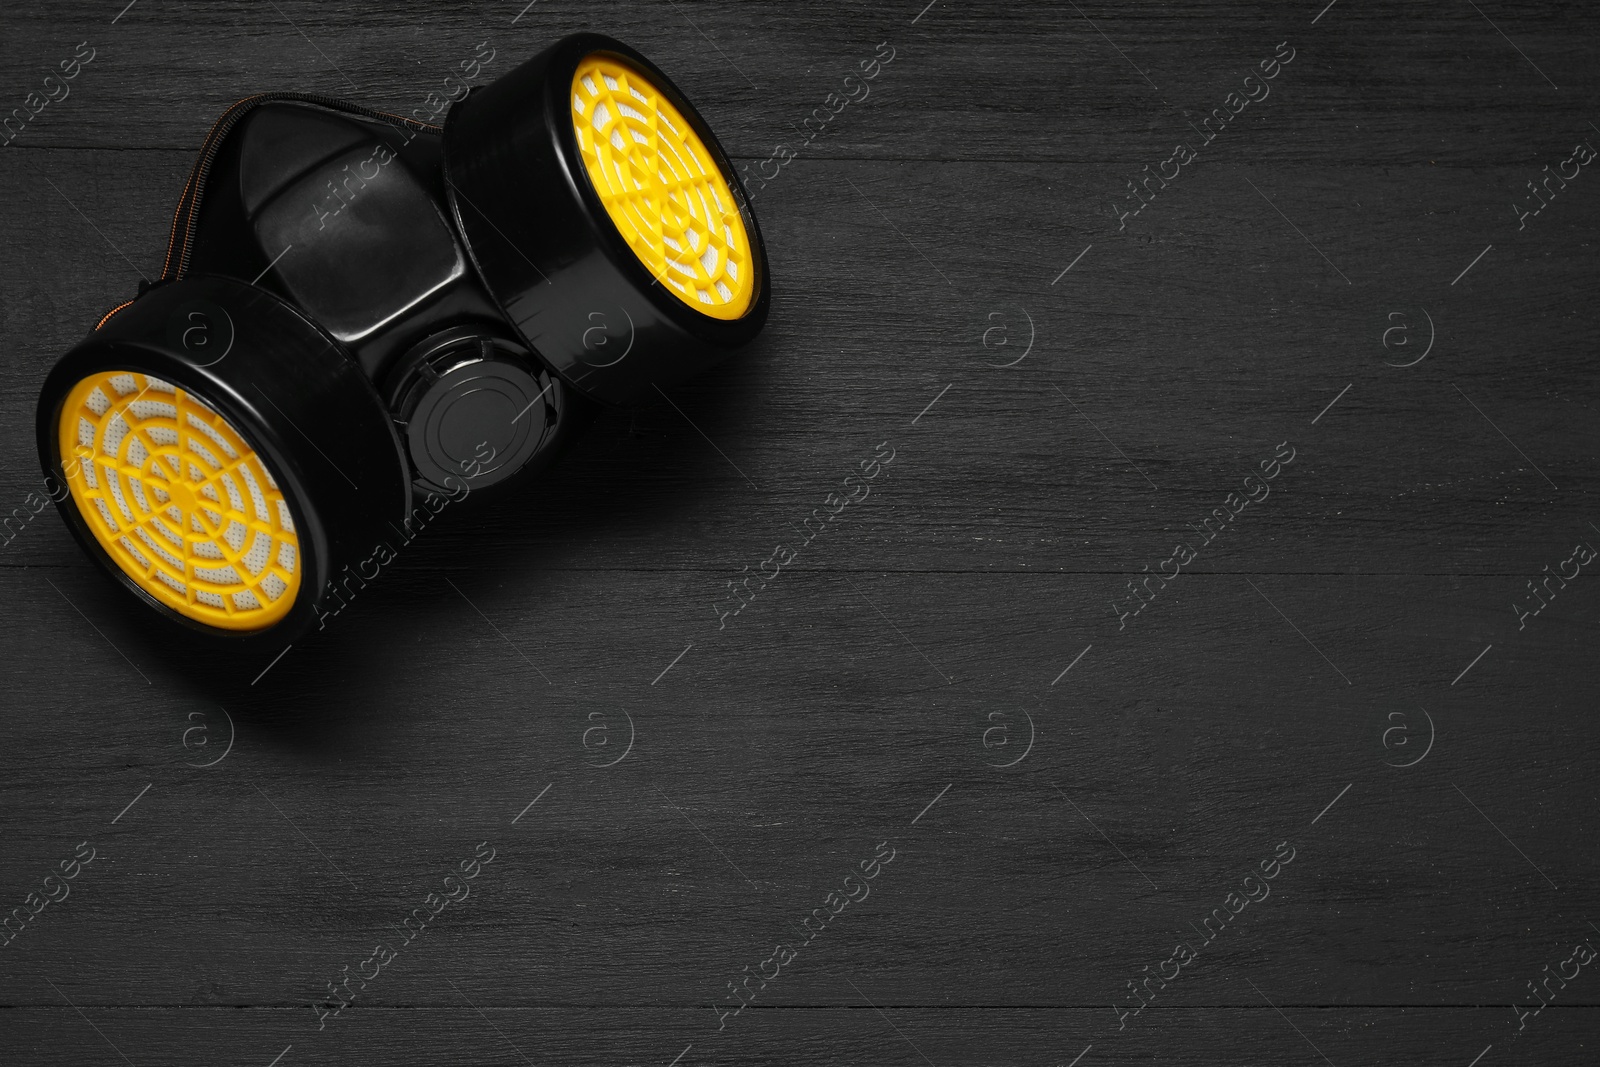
x: 662, y: 187
x: 179, y: 499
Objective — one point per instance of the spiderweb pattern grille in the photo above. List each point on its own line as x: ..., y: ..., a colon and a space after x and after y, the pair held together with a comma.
x: 662, y: 188
x: 180, y: 500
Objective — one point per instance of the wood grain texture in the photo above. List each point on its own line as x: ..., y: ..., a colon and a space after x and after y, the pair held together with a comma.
x: 1269, y: 694
x: 826, y: 1035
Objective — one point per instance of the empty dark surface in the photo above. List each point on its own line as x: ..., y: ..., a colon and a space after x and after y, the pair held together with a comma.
x: 1297, y: 662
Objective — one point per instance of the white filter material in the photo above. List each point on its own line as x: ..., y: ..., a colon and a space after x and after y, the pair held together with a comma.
x: 259, y: 553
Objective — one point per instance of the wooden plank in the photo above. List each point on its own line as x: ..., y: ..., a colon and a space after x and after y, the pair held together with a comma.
x: 1169, y: 762
x: 845, y: 1032
x: 1166, y: 365
x: 1432, y: 84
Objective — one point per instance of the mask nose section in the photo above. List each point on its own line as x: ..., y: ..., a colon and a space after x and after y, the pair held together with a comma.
x: 344, y: 214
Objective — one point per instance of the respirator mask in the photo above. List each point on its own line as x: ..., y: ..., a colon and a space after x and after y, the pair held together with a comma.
x: 362, y: 317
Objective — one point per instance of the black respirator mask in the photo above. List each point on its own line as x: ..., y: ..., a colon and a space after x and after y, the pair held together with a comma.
x: 363, y: 317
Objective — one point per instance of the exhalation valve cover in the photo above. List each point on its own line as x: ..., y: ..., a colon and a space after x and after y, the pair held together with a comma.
x: 361, y: 314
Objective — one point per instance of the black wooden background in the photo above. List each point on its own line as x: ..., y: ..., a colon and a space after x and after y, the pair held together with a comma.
x: 1351, y: 640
